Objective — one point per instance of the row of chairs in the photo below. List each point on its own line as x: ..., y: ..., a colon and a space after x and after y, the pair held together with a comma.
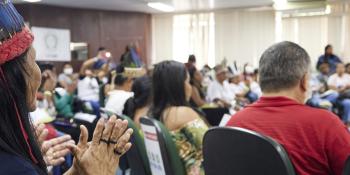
x: 226, y: 151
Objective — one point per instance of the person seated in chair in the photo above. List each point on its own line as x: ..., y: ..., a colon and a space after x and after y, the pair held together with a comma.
x: 121, y: 91
x: 219, y: 91
x: 316, y: 141
x: 340, y: 82
x: 139, y: 105
x: 198, y: 95
x: 172, y: 92
x: 322, y: 96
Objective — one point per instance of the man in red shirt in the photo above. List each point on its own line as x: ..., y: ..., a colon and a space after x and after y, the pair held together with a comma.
x: 317, y: 142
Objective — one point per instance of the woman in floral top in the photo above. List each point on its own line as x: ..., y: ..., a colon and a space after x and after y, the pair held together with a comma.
x: 172, y: 92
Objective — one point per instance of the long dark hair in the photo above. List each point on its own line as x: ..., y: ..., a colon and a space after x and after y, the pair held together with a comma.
x: 13, y: 93
x: 168, y: 87
x: 142, y: 88
x: 192, y: 71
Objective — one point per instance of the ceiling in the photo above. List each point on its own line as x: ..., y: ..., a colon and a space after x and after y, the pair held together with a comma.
x: 141, y: 5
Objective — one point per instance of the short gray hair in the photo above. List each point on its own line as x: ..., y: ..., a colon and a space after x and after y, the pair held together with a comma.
x: 281, y: 66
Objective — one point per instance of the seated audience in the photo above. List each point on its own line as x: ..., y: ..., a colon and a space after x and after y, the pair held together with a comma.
x: 101, y: 61
x: 88, y: 87
x: 172, y: 92
x: 316, y: 141
x: 236, y: 88
x: 340, y: 82
x: 207, y: 76
x: 198, y: 95
x: 329, y: 58
x: 242, y: 89
x: 322, y: 96
x: 139, y: 105
x: 121, y: 93
x: 218, y: 90
x: 67, y: 77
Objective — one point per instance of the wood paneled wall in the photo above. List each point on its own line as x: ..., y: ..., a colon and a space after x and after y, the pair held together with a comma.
x: 111, y: 29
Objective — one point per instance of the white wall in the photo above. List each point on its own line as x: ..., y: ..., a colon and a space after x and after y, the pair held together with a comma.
x: 243, y: 34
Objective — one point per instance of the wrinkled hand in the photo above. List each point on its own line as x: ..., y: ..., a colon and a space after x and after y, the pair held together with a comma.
x: 99, y: 157
x: 41, y: 133
x: 51, y: 80
x: 56, y: 149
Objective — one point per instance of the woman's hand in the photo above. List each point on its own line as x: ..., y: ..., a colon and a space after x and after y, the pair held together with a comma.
x: 110, y: 141
x: 56, y: 149
x: 53, y: 150
x: 51, y: 80
x: 41, y: 133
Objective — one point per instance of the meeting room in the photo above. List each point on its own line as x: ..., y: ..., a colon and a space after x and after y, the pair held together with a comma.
x: 175, y: 87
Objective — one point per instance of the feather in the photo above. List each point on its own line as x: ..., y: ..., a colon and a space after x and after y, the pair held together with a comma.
x: 11, y: 21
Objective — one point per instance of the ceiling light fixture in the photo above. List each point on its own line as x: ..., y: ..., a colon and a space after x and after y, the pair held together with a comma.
x: 161, y: 6
x: 31, y: 1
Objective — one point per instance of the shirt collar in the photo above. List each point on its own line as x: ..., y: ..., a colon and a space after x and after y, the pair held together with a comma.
x: 274, y: 102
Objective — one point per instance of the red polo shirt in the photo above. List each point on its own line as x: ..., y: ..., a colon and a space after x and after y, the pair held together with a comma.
x: 317, y: 142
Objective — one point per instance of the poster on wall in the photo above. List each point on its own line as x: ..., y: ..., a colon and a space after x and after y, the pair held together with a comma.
x: 51, y: 44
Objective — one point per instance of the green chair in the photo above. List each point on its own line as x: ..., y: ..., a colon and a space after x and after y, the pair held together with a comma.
x: 161, y: 150
x: 137, y: 155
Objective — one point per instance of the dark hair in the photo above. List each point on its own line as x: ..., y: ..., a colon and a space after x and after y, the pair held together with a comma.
x: 256, y: 71
x: 142, y: 88
x: 192, y: 58
x: 120, y: 79
x: 101, y: 49
x: 168, y: 87
x: 46, y: 66
x: 347, y: 65
x: 327, y: 47
x: 282, y: 65
x: 192, y: 71
x: 13, y: 92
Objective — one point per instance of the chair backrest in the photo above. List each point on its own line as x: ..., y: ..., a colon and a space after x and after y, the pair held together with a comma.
x: 161, y: 150
x: 214, y: 115
x: 241, y: 151
x: 137, y: 155
x: 346, y: 170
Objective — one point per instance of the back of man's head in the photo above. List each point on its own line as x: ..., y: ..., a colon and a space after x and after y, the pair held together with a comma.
x: 282, y: 66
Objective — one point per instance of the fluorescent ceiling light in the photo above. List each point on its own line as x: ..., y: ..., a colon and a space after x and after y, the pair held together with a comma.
x: 32, y: 0
x: 161, y: 6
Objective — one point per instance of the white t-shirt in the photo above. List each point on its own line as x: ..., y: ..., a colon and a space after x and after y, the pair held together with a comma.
x: 116, y: 100
x: 254, y: 87
x: 337, y: 81
x: 236, y: 88
x: 220, y: 91
x: 88, y: 89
